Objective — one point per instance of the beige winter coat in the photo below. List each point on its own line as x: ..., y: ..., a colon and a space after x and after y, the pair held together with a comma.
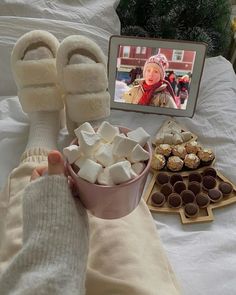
x: 161, y: 96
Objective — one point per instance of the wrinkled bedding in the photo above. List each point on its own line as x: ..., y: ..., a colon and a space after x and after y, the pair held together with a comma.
x: 202, y: 255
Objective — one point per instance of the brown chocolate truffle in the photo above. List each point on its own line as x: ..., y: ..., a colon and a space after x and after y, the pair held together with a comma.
x: 226, y: 188
x: 209, y: 172
x: 179, y: 186
x: 163, y: 149
x: 158, y: 199
x: 191, y: 210
x: 174, y: 200
x: 187, y: 196
x: 215, y: 195
x: 166, y: 189
x: 195, y: 187
x: 195, y: 176
x: 191, y: 161
x: 158, y: 162
x: 174, y: 163
x: 175, y: 177
x: 162, y: 178
x: 208, y: 182
x: 202, y: 200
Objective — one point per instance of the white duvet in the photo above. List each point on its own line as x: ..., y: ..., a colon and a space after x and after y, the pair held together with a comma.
x: 202, y: 255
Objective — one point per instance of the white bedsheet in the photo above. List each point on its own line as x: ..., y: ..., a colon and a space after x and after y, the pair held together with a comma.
x: 202, y: 255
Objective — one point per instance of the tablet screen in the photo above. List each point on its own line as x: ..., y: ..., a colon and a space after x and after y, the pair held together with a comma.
x: 139, y: 66
x: 161, y: 78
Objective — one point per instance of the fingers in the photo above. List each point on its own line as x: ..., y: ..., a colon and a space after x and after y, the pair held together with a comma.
x: 55, y: 163
x: 72, y: 186
x: 55, y: 166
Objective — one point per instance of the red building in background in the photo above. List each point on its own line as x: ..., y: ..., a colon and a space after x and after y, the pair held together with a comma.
x: 131, y: 57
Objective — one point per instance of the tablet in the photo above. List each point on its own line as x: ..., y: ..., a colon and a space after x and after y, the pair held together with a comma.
x: 155, y: 75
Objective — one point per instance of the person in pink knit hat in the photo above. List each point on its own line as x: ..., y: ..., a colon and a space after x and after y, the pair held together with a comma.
x: 153, y: 89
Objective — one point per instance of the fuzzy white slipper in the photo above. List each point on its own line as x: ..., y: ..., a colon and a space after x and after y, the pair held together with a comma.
x: 36, y: 79
x: 84, y: 82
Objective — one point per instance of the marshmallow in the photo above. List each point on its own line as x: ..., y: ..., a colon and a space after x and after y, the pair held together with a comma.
x: 85, y: 127
x: 120, y: 172
x: 133, y: 174
x: 123, y: 147
x: 168, y: 138
x: 139, y: 135
x: 90, y: 170
x: 138, y: 154
x: 117, y: 138
x: 107, y: 131
x: 173, y: 126
x: 72, y: 153
x: 81, y: 160
x: 89, y: 142
x: 120, y: 159
x: 186, y: 136
x: 159, y: 139
x: 138, y: 167
x: 104, y: 155
x: 177, y: 138
x: 104, y: 177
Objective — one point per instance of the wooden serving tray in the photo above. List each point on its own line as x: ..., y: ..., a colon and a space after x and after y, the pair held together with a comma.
x: 205, y: 214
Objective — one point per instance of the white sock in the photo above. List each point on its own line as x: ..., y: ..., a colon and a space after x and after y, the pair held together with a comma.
x: 44, y: 129
x: 44, y: 126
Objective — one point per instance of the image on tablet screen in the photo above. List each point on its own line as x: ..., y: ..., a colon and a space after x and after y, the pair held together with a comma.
x: 151, y: 76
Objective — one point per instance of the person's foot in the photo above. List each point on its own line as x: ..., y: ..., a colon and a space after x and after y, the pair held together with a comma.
x: 82, y: 74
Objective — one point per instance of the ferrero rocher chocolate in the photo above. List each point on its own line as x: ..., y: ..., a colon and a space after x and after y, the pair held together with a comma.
x: 174, y: 163
x: 192, y: 147
x: 163, y: 149
x: 180, y: 151
x: 158, y: 162
x: 206, y: 155
x: 191, y: 161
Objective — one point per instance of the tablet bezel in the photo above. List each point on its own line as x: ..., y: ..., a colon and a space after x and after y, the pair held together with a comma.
x: 200, y: 49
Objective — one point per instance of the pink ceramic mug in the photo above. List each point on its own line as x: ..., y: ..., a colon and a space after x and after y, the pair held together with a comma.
x: 110, y: 202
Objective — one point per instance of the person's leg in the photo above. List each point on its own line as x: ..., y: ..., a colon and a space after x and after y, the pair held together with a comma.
x: 33, y: 56
x: 126, y: 256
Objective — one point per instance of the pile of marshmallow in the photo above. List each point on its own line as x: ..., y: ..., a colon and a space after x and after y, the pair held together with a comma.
x: 107, y: 156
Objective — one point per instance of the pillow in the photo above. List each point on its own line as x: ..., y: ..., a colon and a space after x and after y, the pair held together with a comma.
x: 96, y: 13
x: 93, y: 18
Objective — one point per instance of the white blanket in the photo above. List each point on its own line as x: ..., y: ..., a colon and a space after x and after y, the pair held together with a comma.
x: 202, y: 255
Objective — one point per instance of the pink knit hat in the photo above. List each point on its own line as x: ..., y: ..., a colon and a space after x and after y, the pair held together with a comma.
x: 160, y: 60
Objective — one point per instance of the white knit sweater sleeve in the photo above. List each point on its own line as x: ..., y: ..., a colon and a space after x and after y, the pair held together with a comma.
x: 53, y: 258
